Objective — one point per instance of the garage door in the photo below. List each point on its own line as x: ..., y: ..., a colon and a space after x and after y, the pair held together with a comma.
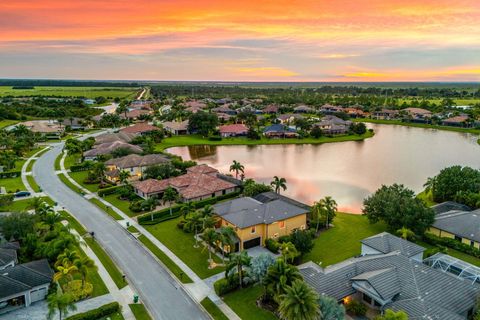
x: 251, y: 243
x: 37, y: 295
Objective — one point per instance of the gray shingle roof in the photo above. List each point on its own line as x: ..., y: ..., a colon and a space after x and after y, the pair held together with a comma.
x: 245, y: 212
x: 465, y: 224
x: 7, y: 256
x: 386, y: 242
x: 22, y: 277
x: 449, y: 206
x: 384, y: 281
x: 270, y: 196
x: 424, y: 292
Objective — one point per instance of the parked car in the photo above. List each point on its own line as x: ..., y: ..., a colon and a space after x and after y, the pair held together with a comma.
x: 20, y: 194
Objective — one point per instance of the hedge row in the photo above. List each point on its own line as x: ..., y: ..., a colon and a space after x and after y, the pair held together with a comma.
x: 98, y: 313
x: 175, y: 209
x: 108, y: 191
x: 87, y: 165
x: 10, y: 174
x: 166, y: 217
x: 451, y: 243
x: 226, y: 285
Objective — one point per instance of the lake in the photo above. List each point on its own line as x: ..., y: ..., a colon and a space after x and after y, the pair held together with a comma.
x: 347, y: 171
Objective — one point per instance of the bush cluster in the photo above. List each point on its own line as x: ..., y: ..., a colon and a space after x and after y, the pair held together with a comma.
x: 226, y: 285
x: 356, y: 308
x: 84, y: 166
x: 98, y: 313
x: 272, y: 245
x: 451, y: 243
x: 10, y: 174
x: 109, y: 190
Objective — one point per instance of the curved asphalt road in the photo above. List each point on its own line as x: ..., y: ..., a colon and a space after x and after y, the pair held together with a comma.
x: 163, y: 296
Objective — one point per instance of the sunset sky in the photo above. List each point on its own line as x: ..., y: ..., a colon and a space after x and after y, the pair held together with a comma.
x: 341, y: 40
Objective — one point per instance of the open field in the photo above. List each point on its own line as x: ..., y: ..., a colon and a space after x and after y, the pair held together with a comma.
x: 181, y: 244
x: 86, y: 92
x: 190, y: 140
x: 343, y: 240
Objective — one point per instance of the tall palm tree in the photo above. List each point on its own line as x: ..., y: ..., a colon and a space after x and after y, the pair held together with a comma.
x: 279, y: 276
x: 61, y: 302
x: 237, y: 167
x: 51, y: 219
x: 227, y: 236
x: 207, y: 211
x: 84, y: 265
x: 123, y: 176
x: 65, y: 271
x: 35, y: 203
x: 279, y: 183
x: 299, y: 302
x: 194, y: 223
x: 169, y: 196
x: 99, y: 170
x: 67, y: 256
x: 238, y: 261
x: 208, y: 222
x: 210, y: 236
x: 430, y: 184
x: 316, y: 214
x: 186, y: 208
x: 289, y: 252
x: 330, y: 207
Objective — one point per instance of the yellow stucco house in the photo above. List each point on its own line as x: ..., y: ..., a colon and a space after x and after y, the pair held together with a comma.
x: 267, y: 216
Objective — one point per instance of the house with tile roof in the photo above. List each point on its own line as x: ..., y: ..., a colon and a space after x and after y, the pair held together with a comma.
x: 23, y: 284
x: 233, y: 130
x: 133, y: 163
x: 393, y: 278
x: 176, y: 127
x: 280, y: 131
x: 255, y: 221
x: 108, y: 147
x: 199, y: 183
x: 141, y: 128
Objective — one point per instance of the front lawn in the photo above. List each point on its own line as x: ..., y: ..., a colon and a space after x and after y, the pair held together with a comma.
x: 33, y: 183
x: 121, y: 204
x: 140, y: 312
x: 80, y: 176
x: 244, y: 303
x: 105, y: 208
x: 12, y: 184
x: 343, y: 240
x: 165, y: 259
x: 69, y: 184
x: 22, y: 205
x: 71, y: 160
x: 213, y: 310
x: 189, y: 140
x: 181, y: 244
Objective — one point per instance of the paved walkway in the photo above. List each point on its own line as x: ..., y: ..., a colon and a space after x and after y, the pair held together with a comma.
x: 199, y: 289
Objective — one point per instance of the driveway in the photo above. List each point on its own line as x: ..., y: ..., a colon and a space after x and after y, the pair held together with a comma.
x: 162, y: 294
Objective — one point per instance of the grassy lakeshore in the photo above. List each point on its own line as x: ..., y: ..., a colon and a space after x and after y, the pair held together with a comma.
x: 419, y: 125
x: 191, y: 140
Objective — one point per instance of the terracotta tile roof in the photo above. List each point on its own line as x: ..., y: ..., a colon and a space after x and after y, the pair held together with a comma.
x: 135, y: 113
x: 202, y: 168
x: 135, y: 160
x: 271, y: 109
x: 112, y: 137
x: 140, y: 128
x: 457, y: 119
x: 107, y: 148
x: 152, y: 185
x: 175, y: 125
x: 418, y: 111
x: 233, y: 128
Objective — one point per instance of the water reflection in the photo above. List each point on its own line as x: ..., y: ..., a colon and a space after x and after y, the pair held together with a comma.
x: 348, y: 171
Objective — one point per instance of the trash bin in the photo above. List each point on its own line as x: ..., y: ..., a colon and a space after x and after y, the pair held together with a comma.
x: 135, y: 298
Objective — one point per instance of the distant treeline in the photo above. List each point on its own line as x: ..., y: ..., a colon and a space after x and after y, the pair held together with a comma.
x: 29, y: 84
x: 23, y: 87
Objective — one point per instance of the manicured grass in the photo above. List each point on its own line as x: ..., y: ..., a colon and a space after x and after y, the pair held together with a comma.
x: 343, y: 240
x: 121, y: 204
x: 6, y: 123
x: 22, y: 205
x: 132, y: 229
x: 87, y: 92
x: 419, y: 125
x: 107, y: 262
x: 69, y: 184
x: 140, y: 312
x: 71, y: 160
x: 57, y: 162
x: 110, y: 212
x: 74, y: 223
x: 213, y: 310
x: 244, y: 303
x: 33, y: 183
x: 181, y: 244
x: 12, y: 184
x: 189, y: 140
x: 79, y: 177
x: 165, y: 260
x: 427, y: 198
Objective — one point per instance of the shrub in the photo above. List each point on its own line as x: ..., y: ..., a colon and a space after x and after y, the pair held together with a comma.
x: 84, y: 166
x: 356, y: 308
x: 451, y: 243
x: 272, y: 245
x: 226, y: 285
x: 215, y: 138
x: 181, y: 224
x: 136, y: 206
x: 302, y: 240
x: 6, y: 199
x: 98, y: 313
x: 109, y: 190
x: 11, y: 174
x: 74, y: 288
x: 284, y: 239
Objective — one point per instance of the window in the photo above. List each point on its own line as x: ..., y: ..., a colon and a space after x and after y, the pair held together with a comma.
x: 253, y: 230
x: 367, y: 299
x: 281, y: 224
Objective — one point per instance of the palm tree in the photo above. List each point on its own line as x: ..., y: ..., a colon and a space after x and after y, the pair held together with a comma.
x: 289, y: 252
x: 208, y: 222
x: 207, y: 211
x: 278, y: 183
x: 51, y: 219
x: 44, y: 209
x: 279, y: 276
x: 35, y: 203
x: 65, y: 271
x: 84, y: 265
x: 123, y: 176
x: 169, y: 196
x: 210, y: 236
x: 186, y: 208
x: 237, y: 167
x: 316, y: 214
x: 430, y: 184
x: 227, y: 235
x: 238, y: 261
x: 405, y: 233
x: 63, y: 303
x: 193, y: 223
x: 330, y: 207
x: 67, y: 256
x: 149, y: 204
x: 299, y: 302
x: 99, y: 170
